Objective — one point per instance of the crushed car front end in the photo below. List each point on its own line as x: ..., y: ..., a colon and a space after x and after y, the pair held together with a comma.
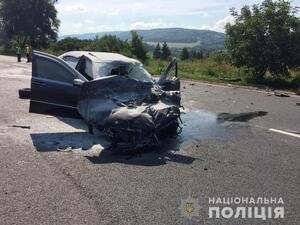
x: 132, y: 112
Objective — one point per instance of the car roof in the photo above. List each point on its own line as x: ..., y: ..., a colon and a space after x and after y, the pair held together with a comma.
x: 100, y: 56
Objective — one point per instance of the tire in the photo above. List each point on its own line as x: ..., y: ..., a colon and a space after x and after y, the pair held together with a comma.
x: 25, y: 93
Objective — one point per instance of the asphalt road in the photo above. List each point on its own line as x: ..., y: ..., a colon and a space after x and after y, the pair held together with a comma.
x: 56, y: 173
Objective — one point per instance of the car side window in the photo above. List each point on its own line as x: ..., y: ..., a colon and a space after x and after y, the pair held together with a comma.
x: 89, y: 68
x: 71, y: 60
x: 49, y: 69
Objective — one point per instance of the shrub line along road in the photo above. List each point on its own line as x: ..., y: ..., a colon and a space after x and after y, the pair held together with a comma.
x: 56, y: 173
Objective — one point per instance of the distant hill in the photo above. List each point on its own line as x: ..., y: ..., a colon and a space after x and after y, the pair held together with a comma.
x: 175, y: 37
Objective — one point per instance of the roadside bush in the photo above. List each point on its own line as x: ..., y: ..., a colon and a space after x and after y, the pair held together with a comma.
x: 220, y: 57
x: 2, y: 50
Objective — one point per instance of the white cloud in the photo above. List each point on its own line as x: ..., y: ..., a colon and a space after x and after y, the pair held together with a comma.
x: 220, y: 25
x: 78, y: 7
x: 77, y: 25
x: 103, y: 28
x: 114, y: 12
x: 138, y: 6
x: 144, y: 25
x: 205, y: 27
x: 88, y: 21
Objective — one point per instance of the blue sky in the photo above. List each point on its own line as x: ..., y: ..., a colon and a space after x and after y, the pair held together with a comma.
x: 86, y: 16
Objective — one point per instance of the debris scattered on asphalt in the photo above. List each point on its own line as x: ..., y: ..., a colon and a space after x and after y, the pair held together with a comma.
x: 298, y: 103
x: 25, y: 93
x: 281, y: 94
x: 21, y: 126
x: 240, y: 117
x: 21, y: 162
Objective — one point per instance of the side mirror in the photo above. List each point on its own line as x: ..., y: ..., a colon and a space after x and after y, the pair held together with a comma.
x: 78, y: 82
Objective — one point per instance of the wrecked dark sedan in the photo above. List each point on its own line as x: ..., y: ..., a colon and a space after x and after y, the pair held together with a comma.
x: 111, y: 92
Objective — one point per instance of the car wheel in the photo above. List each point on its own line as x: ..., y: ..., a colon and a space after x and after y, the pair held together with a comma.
x: 24, y: 93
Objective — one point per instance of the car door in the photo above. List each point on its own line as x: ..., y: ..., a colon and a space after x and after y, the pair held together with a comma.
x: 52, y: 86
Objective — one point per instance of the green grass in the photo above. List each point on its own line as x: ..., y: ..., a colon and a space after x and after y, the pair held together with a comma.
x: 211, y: 71
x: 207, y: 70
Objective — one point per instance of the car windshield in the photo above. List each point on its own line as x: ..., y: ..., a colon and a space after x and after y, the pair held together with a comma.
x: 133, y: 70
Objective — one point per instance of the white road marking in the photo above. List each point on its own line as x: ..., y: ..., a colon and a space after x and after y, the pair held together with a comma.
x: 284, y: 132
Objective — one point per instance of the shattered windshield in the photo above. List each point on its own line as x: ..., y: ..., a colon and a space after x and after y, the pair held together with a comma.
x: 131, y: 70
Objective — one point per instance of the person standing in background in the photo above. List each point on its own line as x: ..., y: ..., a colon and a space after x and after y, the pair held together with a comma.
x: 18, y: 50
x: 27, y: 50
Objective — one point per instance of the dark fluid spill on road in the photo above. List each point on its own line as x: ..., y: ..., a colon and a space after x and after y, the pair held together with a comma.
x: 203, y: 125
x: 240, y: 117
x: 197, y: 125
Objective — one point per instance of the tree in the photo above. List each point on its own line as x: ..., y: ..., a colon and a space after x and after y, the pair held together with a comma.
x: 110, y: 43
x: 34, y: 20
x: 165, y: 51
x: 196, y: 54
x: 138, y: 47
x: 192, y: 54
x: 2, y: 35
x: 265, y: 37
x: 69, y: 44
x: 184, y: 55
x: 200, y: 54
x: 157, y: 52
